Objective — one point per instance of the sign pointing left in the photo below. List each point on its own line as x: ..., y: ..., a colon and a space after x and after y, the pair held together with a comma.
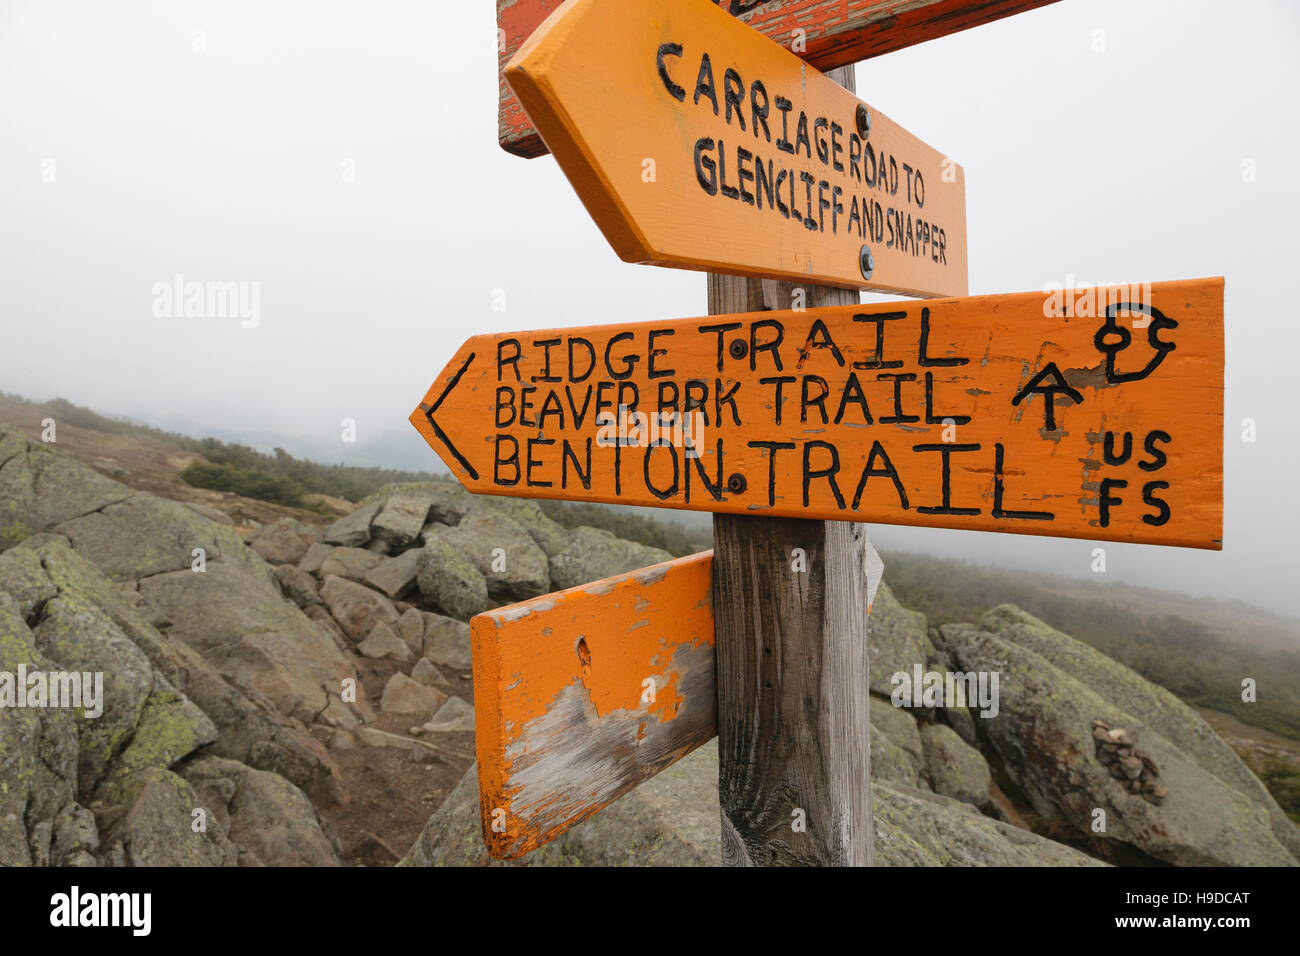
x: 1097, y: 414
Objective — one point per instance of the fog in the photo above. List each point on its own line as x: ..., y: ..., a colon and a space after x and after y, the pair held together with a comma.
x: 343, y: 157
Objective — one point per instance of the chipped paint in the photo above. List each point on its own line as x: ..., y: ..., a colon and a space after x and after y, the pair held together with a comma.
x: 574, y: 732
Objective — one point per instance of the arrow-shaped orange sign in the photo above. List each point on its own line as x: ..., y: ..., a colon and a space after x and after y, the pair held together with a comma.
x: 696, y: 142
x: 1091, y: 413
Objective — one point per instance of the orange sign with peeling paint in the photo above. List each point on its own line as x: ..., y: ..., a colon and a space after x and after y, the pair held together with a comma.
x: 1087, y: 413
x: 825, y: 33
x: 696, y: 142
x: 581, y: 695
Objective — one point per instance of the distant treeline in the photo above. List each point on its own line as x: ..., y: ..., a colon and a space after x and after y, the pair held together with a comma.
x: 1181, y: 655
x: 278, y: 478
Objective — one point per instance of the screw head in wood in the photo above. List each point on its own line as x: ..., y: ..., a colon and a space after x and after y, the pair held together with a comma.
x: 866, y: 262
x: 738, y: 349
x: 736, y: 483
x: 864, y: 120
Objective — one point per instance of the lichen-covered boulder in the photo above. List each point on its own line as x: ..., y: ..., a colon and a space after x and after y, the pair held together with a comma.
x: 269, y: 819
x: 512, y: 564
x: 896, y: 641
x: 1156, y: 707
x: 283, y: 542
x: 955, y: 768
x: 450, y: 580
x: 1043, y: 735
x: 353, y: 530
x: 38, y: 751
x: 593, y: 553
x: 257, y: 639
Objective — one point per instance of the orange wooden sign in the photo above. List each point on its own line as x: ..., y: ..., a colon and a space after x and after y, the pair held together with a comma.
x: 1096, y: 413
x: 581, y: 695
x: 825, y: 33
x: 696, y: 142
x: 1093, y: 413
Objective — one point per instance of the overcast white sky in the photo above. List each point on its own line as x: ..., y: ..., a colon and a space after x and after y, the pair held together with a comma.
x: 210, y: 139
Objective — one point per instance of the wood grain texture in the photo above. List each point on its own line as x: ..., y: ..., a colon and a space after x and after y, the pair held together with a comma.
x: 792, y: 672
x: 835, y: 33
x: 696, y: 142
x: 1051, y: 418
x: 581, y: 695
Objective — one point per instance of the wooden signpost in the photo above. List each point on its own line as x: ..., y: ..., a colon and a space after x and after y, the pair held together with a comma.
x: 824, y: 33
x: 696, y: 142
x: 793, y: 412
x: 1099, y: 419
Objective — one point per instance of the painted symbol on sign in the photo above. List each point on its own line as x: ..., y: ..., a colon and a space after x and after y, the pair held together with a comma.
x: 1113, y: 338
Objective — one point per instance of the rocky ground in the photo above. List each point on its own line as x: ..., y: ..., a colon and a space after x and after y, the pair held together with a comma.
x: 304, y: 692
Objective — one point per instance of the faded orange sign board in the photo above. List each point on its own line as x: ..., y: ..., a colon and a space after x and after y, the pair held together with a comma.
x: 1090, y: 413
x: 825, y: 33
x: 581, y: 695
x: 698, y: 143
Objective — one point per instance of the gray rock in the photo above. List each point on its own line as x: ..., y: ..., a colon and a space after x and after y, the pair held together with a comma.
x: 401, y: 519
x: 450, y: 580
x: 454, y: 715
x: 402, y: 695
x: 38, y: 746
x: 209, y: 512
x: 143, y: 536
x: 356, y: 607
x: 269, y: 819
x: 352, y: 531
x: 298, y: 586
x: 384, y: 642
x: 1043, y: 737
x: 592, y: 553
x: 315, y: 557
x: 153, y: 827
x: 449, y: 502
x: 260, y: 642
x: 1155, y: 706
x: 351, y: 563
x: 426, y: 672
x: 897, y: 641
x: 283, y: 542
x: 247, y: 723
x: 410, y: 628
x: 511, y: 562
x: 551, y: 537
x: 955, y: 768
x: 898, y: 726
x: 75, y: 837
x: 395, y: 576
x: 67, y: 490
x: 447, y: 643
